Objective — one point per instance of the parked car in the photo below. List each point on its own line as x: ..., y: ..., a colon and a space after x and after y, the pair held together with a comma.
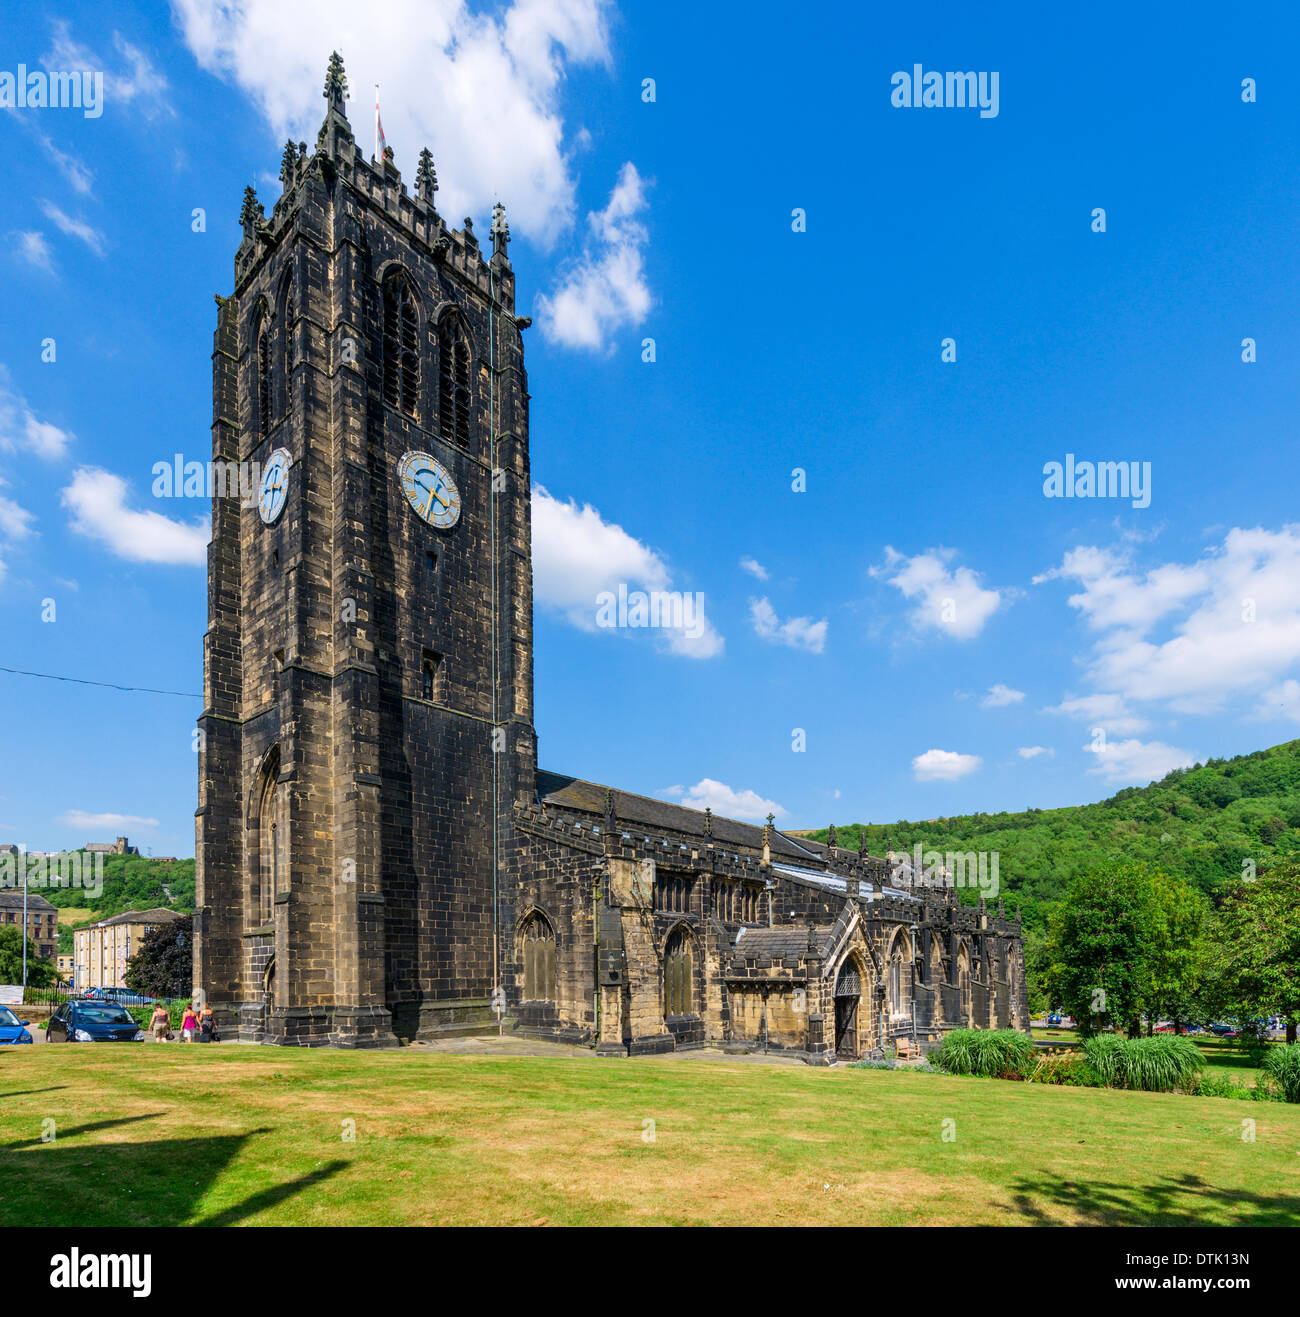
x: 1223, y: 1030
x: 12, y: 1029
x: 86, y: 1021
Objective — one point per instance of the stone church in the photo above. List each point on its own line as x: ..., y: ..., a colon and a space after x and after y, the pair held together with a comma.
x: 379, y: 857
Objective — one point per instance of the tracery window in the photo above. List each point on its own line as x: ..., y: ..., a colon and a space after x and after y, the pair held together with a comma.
x: 539, y: 959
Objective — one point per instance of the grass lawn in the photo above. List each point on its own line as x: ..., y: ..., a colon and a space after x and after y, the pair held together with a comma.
x: 244, y: 1135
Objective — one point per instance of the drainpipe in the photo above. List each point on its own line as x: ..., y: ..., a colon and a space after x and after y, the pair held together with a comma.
x: 496, y: 640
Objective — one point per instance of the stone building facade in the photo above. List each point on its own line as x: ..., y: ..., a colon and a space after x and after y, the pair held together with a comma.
x: 379, y: 858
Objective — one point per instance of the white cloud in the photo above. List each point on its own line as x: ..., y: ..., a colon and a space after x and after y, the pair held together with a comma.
x: 15, y: 524
x: 1136, y: 762
x: 944, y: 765
x: 1190, y: 636
x: 35, y: 250
x: 1281, y: 701
x: 948, y: 600
x: 97, y: 501
x: 482, y: 91
x: 115, y: 823
x: 754, y: 568
x: 1035, y: 751
x: 795, y: 632
x: 1105, y: 709
x: 134, y: 81
x: 22, y: 431
x: 74, y: 228
x: 722, y: 799
x: 1000, y: 695
x: 578, y: 555
x: 78, y: 177
x: 605, y: 288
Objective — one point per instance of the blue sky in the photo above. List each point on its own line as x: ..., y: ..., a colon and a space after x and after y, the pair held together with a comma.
x: 945, y: 636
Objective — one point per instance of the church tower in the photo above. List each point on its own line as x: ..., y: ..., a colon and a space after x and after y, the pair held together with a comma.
x: 368, y: 697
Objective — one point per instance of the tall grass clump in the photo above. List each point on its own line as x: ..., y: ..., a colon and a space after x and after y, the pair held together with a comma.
x: 1152, y: 1065
x: 1282, y: 1066
x: 993, y: 1053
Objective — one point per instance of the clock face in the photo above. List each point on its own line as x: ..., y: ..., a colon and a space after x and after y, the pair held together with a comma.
x: 275, y: 486
x: 430, y: 490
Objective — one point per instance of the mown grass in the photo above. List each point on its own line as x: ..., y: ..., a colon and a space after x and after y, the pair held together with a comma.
x: 240, y: 1135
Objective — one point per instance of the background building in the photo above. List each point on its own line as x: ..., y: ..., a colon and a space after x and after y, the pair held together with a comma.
x: 101, y: 951
x: 42, y: 920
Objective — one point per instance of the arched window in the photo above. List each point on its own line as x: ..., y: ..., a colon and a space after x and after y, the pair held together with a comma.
x: 539, y: 959
x: 453, y: 381
x: 262, y: 365
x: 679, y: 976
x: 268, y: 877
x: 901, y: 956
x: 290, y: 302
x: 401, y: 344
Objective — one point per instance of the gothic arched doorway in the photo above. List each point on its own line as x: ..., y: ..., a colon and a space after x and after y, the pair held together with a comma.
x: 848, y: 998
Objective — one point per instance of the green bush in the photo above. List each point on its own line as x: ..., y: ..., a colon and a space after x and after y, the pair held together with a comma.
x: 1220, y: 1085
x: 1161, y: 1064
x: 993, y: 1053
x: 1068, y: 1067
x: 1282, y: 1066
x: 175, y: 1010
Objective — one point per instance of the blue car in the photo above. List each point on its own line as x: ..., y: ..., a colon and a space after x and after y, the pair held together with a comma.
x: 82, y: 1021
x: 12, y: 1029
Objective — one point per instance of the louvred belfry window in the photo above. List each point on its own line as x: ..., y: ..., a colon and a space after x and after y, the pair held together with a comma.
x: 453, y: 382
x: 264, y: 375
x: 401, y: 345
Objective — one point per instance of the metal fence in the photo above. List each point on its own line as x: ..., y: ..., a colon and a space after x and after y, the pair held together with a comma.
x: 56, y: 997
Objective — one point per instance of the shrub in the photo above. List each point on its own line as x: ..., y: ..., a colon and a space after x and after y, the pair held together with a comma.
x: 1282, y: 1066
x: 175, y: 1009
x: 1217, y: 1084
x: 1152, y: 1065
x: 1068, y: 1067
x: 993, y: 1053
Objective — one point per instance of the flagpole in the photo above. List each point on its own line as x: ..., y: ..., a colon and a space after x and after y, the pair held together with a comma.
x: 376, y: 122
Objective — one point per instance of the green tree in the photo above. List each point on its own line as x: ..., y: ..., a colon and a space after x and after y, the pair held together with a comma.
x: 1258, y: 939
x: 1175, y: 956
x: 40, y: 973
x: 163, y: 962
x: 1100, y: 944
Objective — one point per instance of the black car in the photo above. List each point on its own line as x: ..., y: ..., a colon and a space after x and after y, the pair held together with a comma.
x: 83, y: 1021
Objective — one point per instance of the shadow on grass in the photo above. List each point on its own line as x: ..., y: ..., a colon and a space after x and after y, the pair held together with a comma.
x: 71, y: 1130
x: 72, y: 1183
x: 1185, y: 1200
x: 272, y: 1197
x: 24, y: 1092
